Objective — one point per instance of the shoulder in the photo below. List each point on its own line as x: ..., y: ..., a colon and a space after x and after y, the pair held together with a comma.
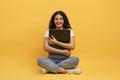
x: 46, y: 33
x: 70, y: 29
x: 71, y: 32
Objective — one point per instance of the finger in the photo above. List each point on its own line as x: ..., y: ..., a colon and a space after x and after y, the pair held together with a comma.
x: 52, y: 36
x: 67, y: 54
x: 49, y: 38
x: 49, y: 41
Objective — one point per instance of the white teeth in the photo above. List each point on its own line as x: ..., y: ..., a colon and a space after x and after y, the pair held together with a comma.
x: 58, y: 24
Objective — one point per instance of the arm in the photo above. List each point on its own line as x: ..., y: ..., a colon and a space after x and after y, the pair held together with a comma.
x: 54, y: 50
x: 70, y: 45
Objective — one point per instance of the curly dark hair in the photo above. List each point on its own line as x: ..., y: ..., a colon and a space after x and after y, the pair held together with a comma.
x: 66, y: 24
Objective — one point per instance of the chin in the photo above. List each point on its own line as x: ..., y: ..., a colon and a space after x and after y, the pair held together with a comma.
x: 59, y: 27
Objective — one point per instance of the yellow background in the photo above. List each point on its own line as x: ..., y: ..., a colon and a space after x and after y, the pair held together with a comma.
x: 96, y: 24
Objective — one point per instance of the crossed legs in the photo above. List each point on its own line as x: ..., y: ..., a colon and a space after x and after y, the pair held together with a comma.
x: 60, y: 67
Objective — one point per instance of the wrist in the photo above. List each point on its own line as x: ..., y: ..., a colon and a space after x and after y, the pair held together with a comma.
x: 57, y: 42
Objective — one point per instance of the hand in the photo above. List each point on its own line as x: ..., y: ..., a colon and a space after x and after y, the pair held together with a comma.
x: 52, y: 40
x: 67, y: 52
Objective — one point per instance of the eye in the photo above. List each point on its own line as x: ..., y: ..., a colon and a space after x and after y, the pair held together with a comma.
x: 56, y: 19
x: 61, y: 18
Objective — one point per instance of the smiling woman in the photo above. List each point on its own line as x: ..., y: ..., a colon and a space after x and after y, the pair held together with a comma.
x: 59, y: 60
x: 96, y: 26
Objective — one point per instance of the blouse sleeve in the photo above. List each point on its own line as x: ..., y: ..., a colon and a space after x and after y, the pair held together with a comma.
x: 71, y: 33
x: 46, y: 33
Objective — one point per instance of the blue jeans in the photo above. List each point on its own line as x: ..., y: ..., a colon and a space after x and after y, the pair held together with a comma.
x: 53, y: 65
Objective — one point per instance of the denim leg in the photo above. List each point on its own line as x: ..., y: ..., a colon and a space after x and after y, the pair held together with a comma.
x: 48, y: 64
x: 71, y: 62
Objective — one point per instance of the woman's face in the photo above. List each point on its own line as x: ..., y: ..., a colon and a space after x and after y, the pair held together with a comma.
x: 59, y: 21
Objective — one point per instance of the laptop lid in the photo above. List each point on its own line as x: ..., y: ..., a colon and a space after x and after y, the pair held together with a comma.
x: 60, y: 35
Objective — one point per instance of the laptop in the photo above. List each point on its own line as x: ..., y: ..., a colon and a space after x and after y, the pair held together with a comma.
x: 60, y: 35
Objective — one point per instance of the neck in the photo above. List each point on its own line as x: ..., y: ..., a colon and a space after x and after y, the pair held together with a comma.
x: 59, y: 28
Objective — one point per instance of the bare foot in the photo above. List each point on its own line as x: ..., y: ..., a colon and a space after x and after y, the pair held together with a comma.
x: 61, y: 70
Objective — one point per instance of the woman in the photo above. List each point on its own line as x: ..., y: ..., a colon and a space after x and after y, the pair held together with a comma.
x: 59, y: 61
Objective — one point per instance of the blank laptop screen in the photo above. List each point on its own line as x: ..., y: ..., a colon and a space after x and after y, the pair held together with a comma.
x: 60, y: 35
